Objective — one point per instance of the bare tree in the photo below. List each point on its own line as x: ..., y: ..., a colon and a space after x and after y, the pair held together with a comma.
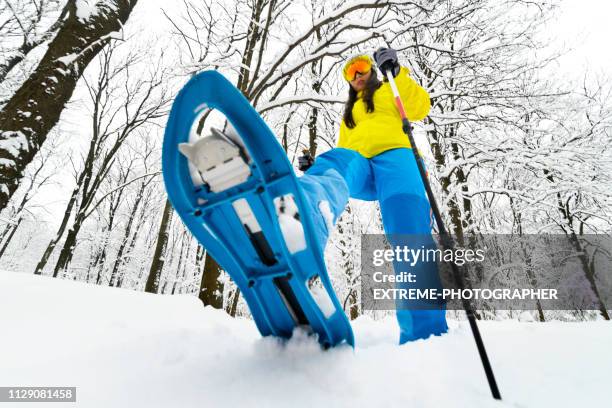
x: 477, y: 97
x: 210, y: 287
x: 39, y: 174
x: 24, y: 27
x: 157, y: 264
x: 107, y: 219
x: 35, y: 108
x: 131, y: 229
x: 122, y: 102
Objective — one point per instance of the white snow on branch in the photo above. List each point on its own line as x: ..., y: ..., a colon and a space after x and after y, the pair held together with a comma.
x: 335, y: 50
x: 7, y: 163
x: 68, y: 59
x: 85, y: 9
x: 71, y: 58
x: 13, y: 142
x: 7, y: 220
x: 314, y: 97
x: 293, y: 43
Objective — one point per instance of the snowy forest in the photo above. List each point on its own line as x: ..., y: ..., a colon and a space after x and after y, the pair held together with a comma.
x: 512, y: 145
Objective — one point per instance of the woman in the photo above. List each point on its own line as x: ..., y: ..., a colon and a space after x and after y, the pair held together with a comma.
x: 373, y: 161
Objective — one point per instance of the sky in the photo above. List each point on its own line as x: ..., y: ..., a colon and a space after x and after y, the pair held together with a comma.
x: 585, y: 26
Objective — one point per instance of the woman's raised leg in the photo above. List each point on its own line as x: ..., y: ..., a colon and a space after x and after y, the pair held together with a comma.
x: 407, y: 222
x: 335, y: 176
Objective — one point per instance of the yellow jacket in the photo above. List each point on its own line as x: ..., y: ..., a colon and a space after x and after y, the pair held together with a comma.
x: 381, y: 130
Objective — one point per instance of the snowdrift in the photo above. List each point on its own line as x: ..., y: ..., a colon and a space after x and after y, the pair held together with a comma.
x: 126, y: 349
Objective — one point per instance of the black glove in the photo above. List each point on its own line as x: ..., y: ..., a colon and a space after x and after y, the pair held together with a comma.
x: 305, y: 161
x: 386, y: 59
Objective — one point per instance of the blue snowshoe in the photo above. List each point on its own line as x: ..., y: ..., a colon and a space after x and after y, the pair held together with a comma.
x: 236, y: 191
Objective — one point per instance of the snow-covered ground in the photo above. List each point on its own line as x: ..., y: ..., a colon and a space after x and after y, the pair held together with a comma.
x: 126, y: 349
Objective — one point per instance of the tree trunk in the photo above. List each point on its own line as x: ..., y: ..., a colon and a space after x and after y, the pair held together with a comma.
x: 132, y: 244
x: 60, y: 232
x: 12, y: 228
x: 354, y: 306
x: 234, y: 305
x: 179, y: 267
x: 315, y: 68
x: 211, y: 290
x: 126, y: 236
x: 83, y: 180
x: 570, y: 231
x: 98, y: 262
x: 10, y: 236
x: 590, y: 275
x: 251, y: 41
x: 152, y: 285
x: 67, y: 251
x: 6, y: 230
x: 530, y: 274
x: 36, y: 106
x: 199, y: 256
x: 29, y: 43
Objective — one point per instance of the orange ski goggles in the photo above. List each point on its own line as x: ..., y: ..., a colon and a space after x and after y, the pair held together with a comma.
x: 361, y: 63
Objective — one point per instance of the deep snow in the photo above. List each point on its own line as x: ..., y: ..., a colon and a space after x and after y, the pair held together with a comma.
x: 127, y: 349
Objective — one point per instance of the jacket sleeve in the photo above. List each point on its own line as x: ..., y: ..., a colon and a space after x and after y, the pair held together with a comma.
x: 415, y: 98
x: 342, y: 139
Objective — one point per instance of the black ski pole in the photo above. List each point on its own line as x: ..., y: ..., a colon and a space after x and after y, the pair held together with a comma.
x: 447, y: 241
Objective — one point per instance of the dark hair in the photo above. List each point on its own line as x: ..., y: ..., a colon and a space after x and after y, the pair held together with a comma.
x: 368, y: 98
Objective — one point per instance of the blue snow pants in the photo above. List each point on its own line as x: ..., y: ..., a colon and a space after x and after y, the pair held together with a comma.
x: 393, y: 179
